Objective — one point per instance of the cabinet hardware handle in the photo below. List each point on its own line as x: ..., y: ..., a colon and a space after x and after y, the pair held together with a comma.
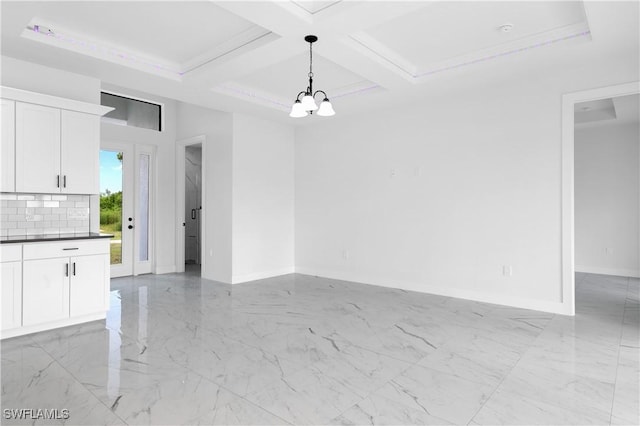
x: 57, y: 181
x: 70, y: 248
x: 66, y: 269
x: 64, y: 181
x: 74, y: 269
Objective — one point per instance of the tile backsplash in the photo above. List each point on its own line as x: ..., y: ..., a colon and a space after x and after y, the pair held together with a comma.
x: 33, y: 214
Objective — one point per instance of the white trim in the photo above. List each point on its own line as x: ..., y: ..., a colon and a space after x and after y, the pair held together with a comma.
x: 52, y: 101
x: 181, y: 146
x: 568, y: 125
x: 14, y: 332
x: 165, y: 269
x: 633, y: 273
x: 478, y: 296
x: 238, y: 279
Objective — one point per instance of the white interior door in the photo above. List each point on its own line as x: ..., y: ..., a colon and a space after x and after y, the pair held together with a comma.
x: 128, y: 169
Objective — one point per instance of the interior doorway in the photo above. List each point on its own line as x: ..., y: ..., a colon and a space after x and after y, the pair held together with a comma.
x: 191, y: 205
x: 569, y: 108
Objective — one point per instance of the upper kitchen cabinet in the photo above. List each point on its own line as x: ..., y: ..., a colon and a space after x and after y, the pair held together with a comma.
x: 37, y: 148
x: 80, y: 151
x: 8, y: 147
x: 57, y: 143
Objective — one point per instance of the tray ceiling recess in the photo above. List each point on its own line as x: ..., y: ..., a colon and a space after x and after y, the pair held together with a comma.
x: 272, y: 86
x: 182, y: 47
x: 449, y: 35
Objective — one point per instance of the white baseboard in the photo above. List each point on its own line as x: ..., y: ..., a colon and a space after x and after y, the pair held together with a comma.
x: 237, y: 279
x: 20, y: 331
x: 634, y: 273
x: 497, y: 299
x: 165, y: 269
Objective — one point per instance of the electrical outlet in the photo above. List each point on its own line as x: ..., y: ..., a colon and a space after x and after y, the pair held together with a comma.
x: 346, y: 254
x: 393, y: 173
x: 608, y: 251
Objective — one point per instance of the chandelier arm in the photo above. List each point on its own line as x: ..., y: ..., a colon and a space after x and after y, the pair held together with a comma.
x: 301, y: 93
x: 321, y: 91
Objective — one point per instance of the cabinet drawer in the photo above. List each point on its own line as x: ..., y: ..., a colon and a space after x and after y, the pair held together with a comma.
x: 65, y: 249
x: 11, y: 253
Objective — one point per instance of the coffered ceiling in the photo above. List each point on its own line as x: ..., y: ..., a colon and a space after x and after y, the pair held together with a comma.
x: 251, y: 56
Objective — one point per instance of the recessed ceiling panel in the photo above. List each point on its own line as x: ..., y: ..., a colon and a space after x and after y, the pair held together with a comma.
x: 173, y: 31
x: 315, y: 6
x: 286, y: 79
x: 444, y: 30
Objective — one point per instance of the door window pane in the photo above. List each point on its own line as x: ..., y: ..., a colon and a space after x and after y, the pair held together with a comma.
x: 143, y: 220
x: 111, y: 200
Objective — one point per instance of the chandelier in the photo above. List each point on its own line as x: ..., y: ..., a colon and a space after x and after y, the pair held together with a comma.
x: 301, y: 108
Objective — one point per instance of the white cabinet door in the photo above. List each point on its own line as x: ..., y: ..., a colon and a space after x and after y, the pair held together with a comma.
x: 11, y: 282
x: 37, y: 148
x: 80, y: 153
x: 8, y: 150
x: 89, y: 284
x: 45, y: 290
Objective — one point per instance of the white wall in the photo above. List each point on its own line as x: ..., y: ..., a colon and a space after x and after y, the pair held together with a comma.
x: 217, y: 213
x: 263, y: 198
x: 442, y: 195
x: 607, y: 188
x: 164, y: 142
x: 51, y: 81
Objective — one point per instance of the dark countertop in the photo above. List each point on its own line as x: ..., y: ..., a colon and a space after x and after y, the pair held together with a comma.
x: 52, y: 237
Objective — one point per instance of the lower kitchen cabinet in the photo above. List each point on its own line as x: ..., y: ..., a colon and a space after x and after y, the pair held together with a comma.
x: 54, y: 284
x: 45, y: 294
x: 11, y: 282
x: 87, y: 289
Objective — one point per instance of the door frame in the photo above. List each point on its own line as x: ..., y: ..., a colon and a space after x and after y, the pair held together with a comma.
x: 568, y: 181
x: 130, y: 206
x: 181, y: 146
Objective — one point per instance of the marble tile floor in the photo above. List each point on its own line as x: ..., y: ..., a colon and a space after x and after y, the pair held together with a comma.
x: 297, y: 349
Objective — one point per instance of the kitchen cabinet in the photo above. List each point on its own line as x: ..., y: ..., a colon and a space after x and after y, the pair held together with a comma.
x: 57, y: 151
x: 80, y: 150
x: 11, y: 283
x: 37, y: 148
x: 89, y: 275
x: 8, y: 147
x: 45, y: 291
x: 55, y: 284
x: 56, y: 146
x: 65, y: 287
